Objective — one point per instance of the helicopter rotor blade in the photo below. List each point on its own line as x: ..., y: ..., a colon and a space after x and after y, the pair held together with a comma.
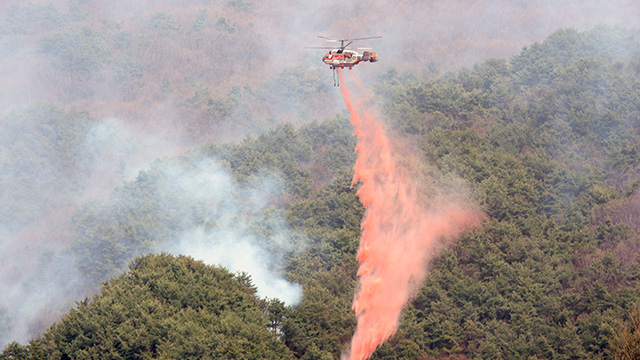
x: 350, y: 39
x: 342, y: 42
x: 364, y: 38
x: 328, y: 39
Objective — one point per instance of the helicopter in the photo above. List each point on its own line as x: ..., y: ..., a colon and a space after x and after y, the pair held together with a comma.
x: 341, y: 57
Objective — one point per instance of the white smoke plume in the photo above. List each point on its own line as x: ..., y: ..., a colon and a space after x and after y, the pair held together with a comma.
x: 39, y: 277
x: 236, y: 230
x: 116, y: 152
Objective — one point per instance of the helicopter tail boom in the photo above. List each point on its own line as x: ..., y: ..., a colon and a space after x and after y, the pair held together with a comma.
x: 371, y: 56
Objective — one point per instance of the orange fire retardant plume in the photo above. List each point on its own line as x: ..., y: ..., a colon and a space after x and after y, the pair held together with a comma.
x: 400, y: 233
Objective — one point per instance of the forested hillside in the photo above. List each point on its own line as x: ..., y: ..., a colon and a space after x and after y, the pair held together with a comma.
x: 550, y: 141
x: 170, y: 308
x: 547, y: 140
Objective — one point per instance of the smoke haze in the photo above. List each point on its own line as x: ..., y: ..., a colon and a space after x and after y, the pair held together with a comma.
x: 40, y: 279
x: 229, y: 235
x: 164, y: 77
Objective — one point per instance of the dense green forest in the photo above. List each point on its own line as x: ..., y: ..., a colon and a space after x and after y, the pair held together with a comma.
x: 548, y: 141
x: 172, y: 308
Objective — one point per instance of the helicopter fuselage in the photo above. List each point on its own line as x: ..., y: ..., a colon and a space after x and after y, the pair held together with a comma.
x: 343, y: 58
